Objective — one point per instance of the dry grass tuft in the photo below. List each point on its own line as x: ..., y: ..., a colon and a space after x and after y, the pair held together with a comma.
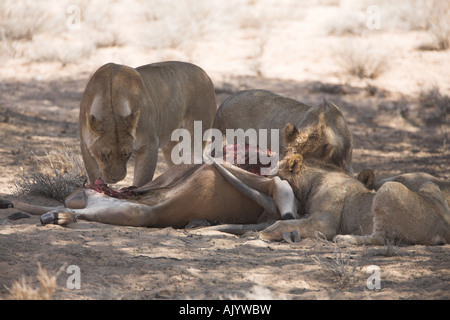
x: 56, y: 175
x: 23, y: 290
x: 349, y: 23
x: 342, y: 266
x: 390, y: 249
x: 438, y: 25
x: 33, y: 19
x: 432, y: 98
x: 434, y: 108
x: 363, y: 60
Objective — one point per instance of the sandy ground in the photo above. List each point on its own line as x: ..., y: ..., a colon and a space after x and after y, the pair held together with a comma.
x: 393, y: 133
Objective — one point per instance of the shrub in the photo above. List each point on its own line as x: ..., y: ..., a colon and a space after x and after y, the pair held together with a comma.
x: 363, y: 60
x: 56, y: 175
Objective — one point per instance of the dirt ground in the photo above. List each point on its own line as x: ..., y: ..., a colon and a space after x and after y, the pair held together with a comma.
x: 396, y: 130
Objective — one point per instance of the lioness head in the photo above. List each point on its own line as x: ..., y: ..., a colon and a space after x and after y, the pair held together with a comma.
x: 112, y: 144
x: 110, y: 111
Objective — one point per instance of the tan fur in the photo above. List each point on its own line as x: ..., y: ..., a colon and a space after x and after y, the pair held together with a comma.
x: 261, y: 109
x: 341, y: 207
x: 128, y: 111
x: 414, y: 182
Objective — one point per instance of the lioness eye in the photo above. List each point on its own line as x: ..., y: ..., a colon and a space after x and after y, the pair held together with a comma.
x: 126, y: 155
x: 106, y: 155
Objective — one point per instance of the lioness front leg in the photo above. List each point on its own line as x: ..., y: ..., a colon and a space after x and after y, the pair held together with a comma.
x: 91, y: 165
x: 322, y: 222
x: 146, y: 160
x: 373, y: 239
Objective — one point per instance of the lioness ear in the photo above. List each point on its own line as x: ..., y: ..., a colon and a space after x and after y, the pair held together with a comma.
x: 132, y: 122
x: 290, y: 133
x: 321, y: 123
x: 319, y: 129
x: 367, y: 177
x: 94, y: 124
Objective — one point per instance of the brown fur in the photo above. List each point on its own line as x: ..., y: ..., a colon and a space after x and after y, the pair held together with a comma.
x: 414, y: 181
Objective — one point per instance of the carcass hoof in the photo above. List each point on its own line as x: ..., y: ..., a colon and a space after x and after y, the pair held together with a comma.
x: 57, y: 217
x: 6, y: 204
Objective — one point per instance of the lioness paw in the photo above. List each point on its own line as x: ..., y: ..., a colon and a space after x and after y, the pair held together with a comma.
x: 345, y: 238
x: 294, y: 163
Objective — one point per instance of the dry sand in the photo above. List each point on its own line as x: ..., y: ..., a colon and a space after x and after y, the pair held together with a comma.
x: 293, y: 48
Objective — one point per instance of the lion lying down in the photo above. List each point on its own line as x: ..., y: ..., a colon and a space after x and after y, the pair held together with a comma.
x: 408, y: 207
x: 411, y: 207
x: 343, y: 209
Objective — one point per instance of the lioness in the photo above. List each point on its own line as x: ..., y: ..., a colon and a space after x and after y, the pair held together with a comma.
x: 126, y: 110
x: 413, y: 181
x: 341, y: 207
x: 261, y: 109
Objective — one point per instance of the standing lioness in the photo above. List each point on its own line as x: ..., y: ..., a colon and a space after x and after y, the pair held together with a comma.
x: 126, y: 110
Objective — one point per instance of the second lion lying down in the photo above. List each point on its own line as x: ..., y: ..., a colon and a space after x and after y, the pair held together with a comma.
x: 410, y: 208
x: 343, y: 209
x: 329, y: 201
